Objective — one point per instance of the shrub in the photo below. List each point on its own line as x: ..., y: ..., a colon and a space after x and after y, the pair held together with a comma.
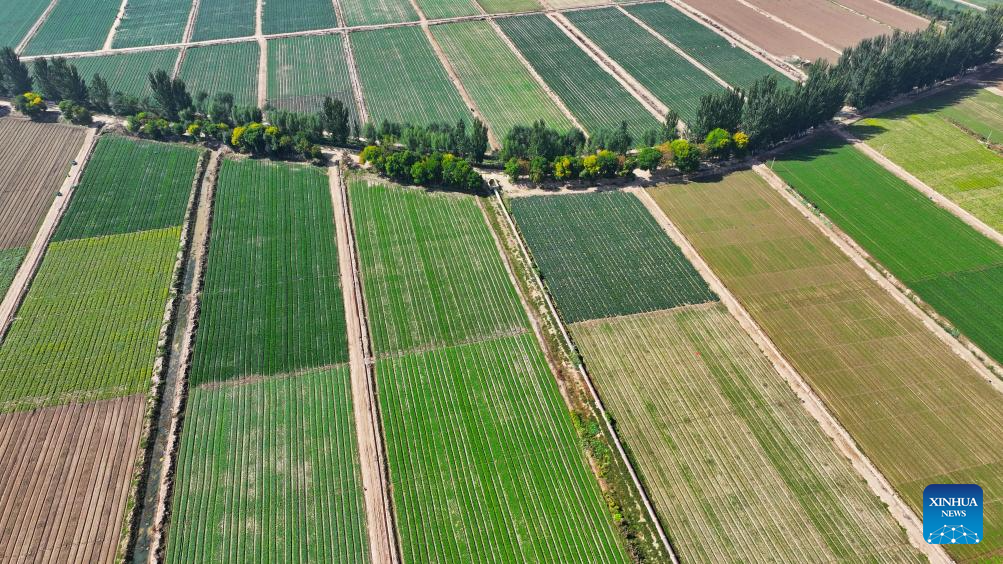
x: 30, y: 104
x: 649, y: 158
x: 685, y: 156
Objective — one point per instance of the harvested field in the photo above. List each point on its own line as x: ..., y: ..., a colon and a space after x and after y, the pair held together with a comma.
x: 430, y: 269
x: 880, y: 371
x: 603, y: 255
x: 772, y: 36
x: 220, y: 19
x: 484, y: 463
x: 269, y: 471
x: 127, y: 72
x: 505, y: 92
x: 709, y: 422
x: 10, y: 261
x: 437, y: 9
x: 152, y: 22
x: 302, y: 71
x: 64, y: 478
x: 505, y: 6
x: 403, y: 80
x: 923, y: 245
x: 886, y: 13
x: 666, y: 74
x: 732, y: 64
x: 271, y: 301
x: 376, y: 12
x: 595, y: 98
x: 130, y: 185
x: 18, y: 19
x: 229, y: 68
x: 34, y: 161
x: 74, y: 25
x: 829, y: 22
x: 285, y: 16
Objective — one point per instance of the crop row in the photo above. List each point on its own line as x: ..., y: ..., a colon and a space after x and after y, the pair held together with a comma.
x: 302, y: 71
x: 127, y: 72
x: 220, y: 19
x: 152, y: 22
x: 18, y: 19
x: 229, y: 67
x: 74, y: 25
x: 377, y: 12
x: 436, y: 9
x: 10, y: 260
x: 286, y: 16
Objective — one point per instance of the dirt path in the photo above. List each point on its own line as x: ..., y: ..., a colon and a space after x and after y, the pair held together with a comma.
x: 114, y: 26
x: 811, y: 402
x: 379, y: 512
x: 35, y: 27
x: 353, y: 77
x: 186, y: 37
x: 259, y: 36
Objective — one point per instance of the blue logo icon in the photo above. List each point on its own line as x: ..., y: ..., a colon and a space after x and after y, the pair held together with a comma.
x: 952, y: 514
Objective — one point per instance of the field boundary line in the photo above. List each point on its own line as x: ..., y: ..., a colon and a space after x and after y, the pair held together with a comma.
x: 114, y: 26
x: 35, y: 27
x: 810, y: 401
x: 353, y: 78
x: 789, y: 25
x: 380, y: 523
x: 894, y: 7
x: 970, y: 5
x: 638, y: 486
x: 186, y: 37
x: 259, y: 36
x: 339, y: 14
x: 842, y: 6
x: 25, y: 274
x: 899, y: 291
x: 180, y: 60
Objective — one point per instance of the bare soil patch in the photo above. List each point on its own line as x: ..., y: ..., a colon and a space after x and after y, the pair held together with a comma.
x: 833, y: 24
x: 886, y: 13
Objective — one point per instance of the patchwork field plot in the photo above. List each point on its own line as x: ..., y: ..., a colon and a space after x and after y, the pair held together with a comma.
x: 603, y: 255
x: 709, y: 422
x: 64, y: 478
x: 302, y: 71
x: 34, y: 160
x: 833, y: 24
x: 506, y: 6
x: 74, y: 25
x: 18, y: 19
x: 484, y: 463
x: 272, y: 301
x: 598, y: 102
x: 377, y: 12
x: 922, y: 244
x: 152, y: 22
x: 887, y: 14
x: 10, y: 261
x: 505, y: 92
x: 431, y: 271
x: 436, y: 9
x: 927, y: 139
x: 229, y: 68
x: 220, y: 19
x: 403, y: 80
x: 561, y: 4
x: 269, y: 471
x: 734, y: 65
x: 284, y: 16
x: 977, y: 110
x: 127, y: 72
x: 881, y: 372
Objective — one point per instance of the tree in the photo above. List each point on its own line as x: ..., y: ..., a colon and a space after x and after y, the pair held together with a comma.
x: 335, y: 120
x: 687, y: 158
x: 75, y: 113
x: 170, y: 96
x: 513, y: 169
x: 649, y: 158
x: 718, y: 142
x: 124, y: 105
x: 99, y: 94
x: 14, y: 76
x: 539, y: 169
x: 567, y: 167
x: 718, y: 110
x: 740, y: 141
x: 369, y: 132
x: 478, y: 141
x: 221, y: 107
x: 30, y: 104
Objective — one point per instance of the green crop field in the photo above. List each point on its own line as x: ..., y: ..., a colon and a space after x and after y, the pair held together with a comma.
x: 74, y: 25
x: 595, y: 98
x: 437, y: 9
x: 483, y: 460
x: 925, y: 139
x: 220, y: 19
x: 18, y: 19
x: 666, y: 74
x: 403, y: 80
x: 269, y: 471
x: 431, y: 272
x: 127, y: 72
x: 10, y: 260
x: 285, y: 16
x: 88, y: 328
x: 924, y: 245
x: 734, y: 65
x: 710, y: 422
x: 302, y: 71
x: 603, y: 255
x: 506, y: 6
x: 376, y: 12
x: 879, y: 370
x: 502, y: 88
x: 229, y: 68
x: 272, y: 300
x: 129, y: 186
x: 152, y: 22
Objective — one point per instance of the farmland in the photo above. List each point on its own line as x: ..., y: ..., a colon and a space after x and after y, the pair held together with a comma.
x: 503, y: 90
x: 666, y: 74
x: 272, y: 301
x: 833, y: 24
x: 710, y: 421
x: 10, y: 260
x: 418, y: 293
x: 603, y: 255
x: 403, y: 80
x: 127, y: 72
x: 598, y: 102
x: 376, y: 12
x: 268, y: 470
x: 504, y: 6
x: 219, y: 19
x: 229, y: 68
x: 879, y: 370
x: 436, y: 9
x: 302, y: 71
x: 74, y: 25
x: 977, y: 110
x: 925, y: 246
x: 18, y: 19
x: 888, y: 14
x: 483, y: 459
x: 152, y: 22
x: 284, y: 16
x: 735, y: 66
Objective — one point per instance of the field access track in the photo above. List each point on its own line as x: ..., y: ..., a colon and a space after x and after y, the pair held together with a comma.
x: 73, y: 26
x: 152, y: 22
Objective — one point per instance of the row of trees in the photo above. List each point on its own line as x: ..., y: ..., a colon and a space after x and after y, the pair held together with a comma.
x: 931, y: 9
x: 436, y: 169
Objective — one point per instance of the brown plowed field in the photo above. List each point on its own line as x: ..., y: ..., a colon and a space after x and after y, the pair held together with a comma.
x: 34, y: 160
x: 833, y: 24
x: 781, y: 41
x: 64, y: 477
x: 885, y: 13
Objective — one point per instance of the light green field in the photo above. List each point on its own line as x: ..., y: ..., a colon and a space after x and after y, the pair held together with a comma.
x: 10, y: 261
x: 377, y: 12
x: 152, y: 22
x: 229, y: 68
x: 127, y: 72
x: 505, y: 6
x: 74, y: 26
x: 437, y: 9
x: 220, y: 19
x: 302, y: 71
x: 503, y: 89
